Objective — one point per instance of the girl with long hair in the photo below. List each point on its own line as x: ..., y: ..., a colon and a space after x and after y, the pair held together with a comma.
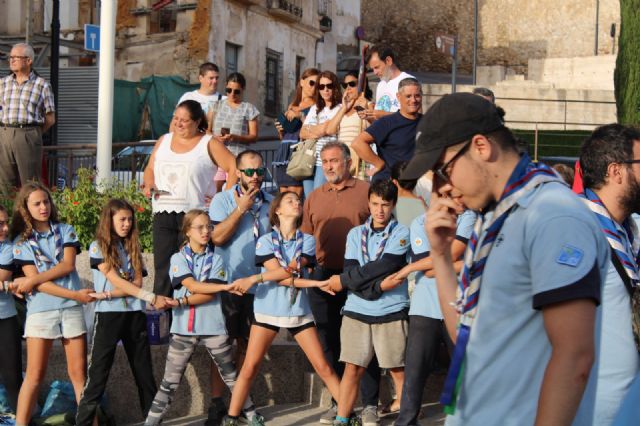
x: 289, y: 124
x: 46, y: 251
x: 328, y: 98
x: 197, y: 274
x: 281, y: 299
x: 116, y: 262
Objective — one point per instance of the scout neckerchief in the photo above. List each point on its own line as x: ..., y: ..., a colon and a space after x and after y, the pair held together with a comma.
x: 39, y: 256
x: 256, y: 214
x: 525, y: 177
x: 203, y: 275
x: 627, y: 254
x: 276, y: 239
x: 127, y: 272
x: 368, y: 228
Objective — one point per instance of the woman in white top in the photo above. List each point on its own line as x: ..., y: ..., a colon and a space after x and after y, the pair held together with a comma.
x: 233, y: 121
x: 327, y: 104
x: 347, y: 123
x: 179, y: 177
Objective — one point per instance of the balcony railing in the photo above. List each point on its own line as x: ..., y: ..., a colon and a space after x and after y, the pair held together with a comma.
x: 290, y: 10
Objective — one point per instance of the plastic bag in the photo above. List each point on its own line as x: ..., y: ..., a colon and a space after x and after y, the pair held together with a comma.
x: 61, y: 399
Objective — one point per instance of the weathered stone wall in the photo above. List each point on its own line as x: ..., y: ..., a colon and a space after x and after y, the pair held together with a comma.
x: 510, y: 31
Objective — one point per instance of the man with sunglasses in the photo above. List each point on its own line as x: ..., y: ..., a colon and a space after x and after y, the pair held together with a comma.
x: 609, y: 159
x: 525, y: 343
x: 27, y: 110
x: 240, y: 215
x: 393, y: 135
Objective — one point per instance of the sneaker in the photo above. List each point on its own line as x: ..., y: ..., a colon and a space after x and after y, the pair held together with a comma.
x: 257, y: 420
x: 217, y: 412
x: 227, y: 421
x: 330, y: 415
x: 339, y: 423
x: 355, y: 420
x: 369, y: 416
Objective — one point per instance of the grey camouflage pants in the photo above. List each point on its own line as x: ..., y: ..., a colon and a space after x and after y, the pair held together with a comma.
x: 180, y: 350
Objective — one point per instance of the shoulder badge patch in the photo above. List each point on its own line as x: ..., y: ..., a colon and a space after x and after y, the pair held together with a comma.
x: 570, y: 255
x: 403, y: 243
x: 175, y: 268
x: 73, y: 236
x: 94, y: 249
x: 258, y: 245
x: 222, y: 274
x: 16, y: 251
x: 418, y: 241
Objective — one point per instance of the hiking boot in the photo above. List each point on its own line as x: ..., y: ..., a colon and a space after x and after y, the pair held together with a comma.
x: 329, y: 416
x: 228, y: 421
x: 369, y: 416
x: 216, y: 413
x: 257, y: 420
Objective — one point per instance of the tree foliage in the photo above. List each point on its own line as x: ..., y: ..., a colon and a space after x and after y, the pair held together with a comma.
x: 627, y: 73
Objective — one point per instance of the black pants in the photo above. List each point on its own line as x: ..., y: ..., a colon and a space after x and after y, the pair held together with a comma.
x: 166, y: 241
x: 326, y: 311
x: 423, y: 341
x: 109, y: 328
x: 11, y: 358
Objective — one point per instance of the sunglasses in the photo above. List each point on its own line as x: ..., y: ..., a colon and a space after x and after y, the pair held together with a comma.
x: 325, y: 86
x: 260, y: 171
x: 235, y: 91
x: 311, y: 83
x: 442, y: 172
x: 349, y: 83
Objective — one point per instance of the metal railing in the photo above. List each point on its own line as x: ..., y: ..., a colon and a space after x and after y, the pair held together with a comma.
x: 63, y: 161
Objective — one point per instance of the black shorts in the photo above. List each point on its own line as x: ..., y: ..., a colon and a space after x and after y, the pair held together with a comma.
x: 238, y: 314
x: 293, y: 330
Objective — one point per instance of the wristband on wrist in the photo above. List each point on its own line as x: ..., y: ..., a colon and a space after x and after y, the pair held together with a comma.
x: 147, y: 296
x: 186, y: 300
x: 259, y: 278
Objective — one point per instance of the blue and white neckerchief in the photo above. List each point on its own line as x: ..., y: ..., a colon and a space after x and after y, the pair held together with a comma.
x: 277, y: 242
x: 127, y: 272
x: 627, y: 254
x: 40, y: 257
x: 364, y: 241
x: 203, y: 275
x: 525, y: 177
x: 255, y: 211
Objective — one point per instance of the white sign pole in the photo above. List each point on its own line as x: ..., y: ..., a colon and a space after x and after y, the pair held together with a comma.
x: 105, y: 92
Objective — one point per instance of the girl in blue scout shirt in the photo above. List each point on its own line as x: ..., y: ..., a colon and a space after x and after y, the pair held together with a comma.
x: 11, y: 353
x: 196, y: 274
x: 46, y: 251
x: 279, y: 300
x: 116, y: 263
x: 426, y: 325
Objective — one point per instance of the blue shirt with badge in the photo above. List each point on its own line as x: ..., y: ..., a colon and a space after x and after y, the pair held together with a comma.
x: 238, y: 253
x: 397, y: 244
x: 424, y: 299
x: 7, y: 306
x: 271, y: 298
x: 208, y: 319
x: 101, y: 284
x: 549, y: 250
x: 24, y: 254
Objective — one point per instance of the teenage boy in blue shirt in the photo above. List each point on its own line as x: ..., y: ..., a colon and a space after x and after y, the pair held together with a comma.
x: 376, y: 311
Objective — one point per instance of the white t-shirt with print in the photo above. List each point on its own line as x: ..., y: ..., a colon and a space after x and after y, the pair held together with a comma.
x: 386, y: 91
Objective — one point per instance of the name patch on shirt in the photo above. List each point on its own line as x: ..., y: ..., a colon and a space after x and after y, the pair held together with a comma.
x: 570, y: 255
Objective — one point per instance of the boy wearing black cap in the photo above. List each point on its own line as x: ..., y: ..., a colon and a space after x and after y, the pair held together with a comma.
x: 525, y: 344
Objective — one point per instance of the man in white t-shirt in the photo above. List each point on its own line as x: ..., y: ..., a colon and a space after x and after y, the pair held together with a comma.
x: 208, y: 78
x: 381, y: 59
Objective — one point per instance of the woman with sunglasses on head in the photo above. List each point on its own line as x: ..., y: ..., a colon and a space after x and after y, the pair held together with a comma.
x: 233, y: 121
x: 347, y: 123
x: 289, y: 124
x: 327, y: 104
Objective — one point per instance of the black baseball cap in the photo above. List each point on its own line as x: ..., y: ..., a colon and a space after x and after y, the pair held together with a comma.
x: 453, y: 119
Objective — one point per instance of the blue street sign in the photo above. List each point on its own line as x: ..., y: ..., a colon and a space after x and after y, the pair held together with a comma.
x: 92, y: 37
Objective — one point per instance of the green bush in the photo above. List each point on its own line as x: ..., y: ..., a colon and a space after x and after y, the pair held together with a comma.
x: 627, y: 72
x: 81, y: 206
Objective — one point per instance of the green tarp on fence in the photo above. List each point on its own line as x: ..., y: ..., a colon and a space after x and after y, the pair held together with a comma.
x: 159, y: 95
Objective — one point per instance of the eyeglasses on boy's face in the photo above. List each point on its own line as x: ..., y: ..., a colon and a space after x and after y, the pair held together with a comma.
x: 260, y: 171
x: 444, y: 172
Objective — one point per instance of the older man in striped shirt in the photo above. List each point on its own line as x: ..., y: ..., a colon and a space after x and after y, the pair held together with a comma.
x: 27, y: 110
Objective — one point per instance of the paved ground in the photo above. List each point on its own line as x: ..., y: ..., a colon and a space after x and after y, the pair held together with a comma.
x: 305, y: 414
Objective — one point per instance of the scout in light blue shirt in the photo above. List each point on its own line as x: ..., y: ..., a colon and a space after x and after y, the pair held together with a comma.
x: 207, y: 318
x: 7, y: 306
x: 101, y: 284
x: 24, y: 254
x: 237, y: 253
x: 274, y: 299
x: 397, y: 244
x: 424, y: 299
x: 545, y: 252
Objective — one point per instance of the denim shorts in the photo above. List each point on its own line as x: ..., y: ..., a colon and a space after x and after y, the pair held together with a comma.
x: 66, y: 323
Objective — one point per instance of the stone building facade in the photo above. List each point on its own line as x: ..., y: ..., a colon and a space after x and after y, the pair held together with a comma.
x: 510, y: 31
